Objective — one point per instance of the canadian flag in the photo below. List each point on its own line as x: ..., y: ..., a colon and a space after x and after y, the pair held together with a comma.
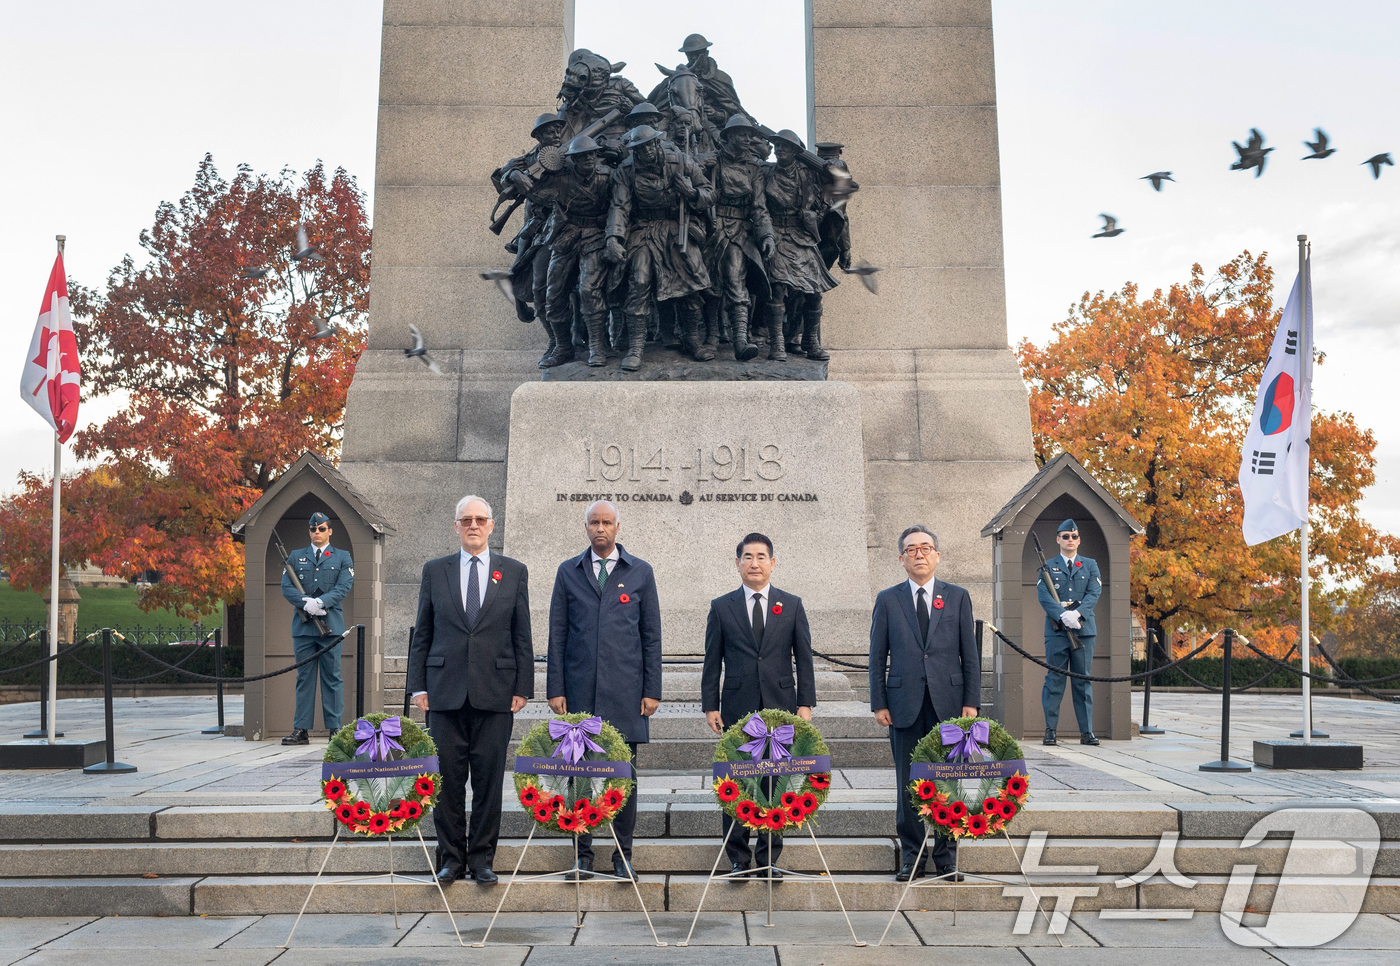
x: 50, y: 379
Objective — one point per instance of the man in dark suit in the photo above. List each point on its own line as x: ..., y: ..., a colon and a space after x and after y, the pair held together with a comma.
x: 758, y: 635
x: 924, y: 668
x: 1078, y: 585
x: 605, y: 653
x: 471, y: 664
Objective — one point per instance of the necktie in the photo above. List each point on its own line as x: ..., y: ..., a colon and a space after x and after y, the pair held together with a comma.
x: 758, y: 619
x: 473, y: 601
x: 923, y: 616
x: 602, y: 573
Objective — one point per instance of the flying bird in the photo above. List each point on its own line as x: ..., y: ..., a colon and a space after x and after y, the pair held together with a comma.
x: 1319, y: 147
x: 1377, y: 161
x: 501, y: 277
x: 1157, y: 177
x: 420, y: 351
x: 325, y: 329
x: 254, y: 272
x: 1110, y: 227
x: 1252, y: 154
x: 866, y: 273
x: 305, y: 250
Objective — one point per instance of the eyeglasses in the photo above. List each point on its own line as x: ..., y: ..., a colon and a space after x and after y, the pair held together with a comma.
x: 321, y: 529
x: 468, y: 521
x: 920, y: 550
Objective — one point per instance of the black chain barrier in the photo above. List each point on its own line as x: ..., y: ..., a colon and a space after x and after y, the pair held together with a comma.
x: 1089, y: 677
x: 837, y: 660
x: 1344, y: 678
x: 65, y: 652
x: 1243, y: 687
x: 194, y: 652
x: 246, y: 679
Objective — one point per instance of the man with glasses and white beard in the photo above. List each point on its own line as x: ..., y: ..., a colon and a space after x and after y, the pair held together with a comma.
x: 924, y: 668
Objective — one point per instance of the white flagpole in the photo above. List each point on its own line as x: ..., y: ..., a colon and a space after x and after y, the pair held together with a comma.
x: 51, y: 725
x: 1306, y: 372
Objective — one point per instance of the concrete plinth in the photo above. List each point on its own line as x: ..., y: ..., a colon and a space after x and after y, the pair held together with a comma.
x: 38, y: 753
x: 1285, y: 753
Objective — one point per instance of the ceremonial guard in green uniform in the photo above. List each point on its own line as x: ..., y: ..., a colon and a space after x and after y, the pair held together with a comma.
x: 326, y: 574
x: 1078, y: 586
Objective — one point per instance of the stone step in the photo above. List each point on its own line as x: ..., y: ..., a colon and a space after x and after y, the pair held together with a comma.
x: 273, y: 894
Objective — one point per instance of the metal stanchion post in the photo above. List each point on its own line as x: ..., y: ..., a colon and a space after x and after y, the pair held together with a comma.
x: 1152, y: 638
x: 1225, y: 764
x: 111, y: 765
x: 45, y: 669
x: 218, y: 685
x: 359, y: 670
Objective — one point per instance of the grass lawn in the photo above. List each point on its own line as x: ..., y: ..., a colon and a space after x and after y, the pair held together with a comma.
x: 100, y: 607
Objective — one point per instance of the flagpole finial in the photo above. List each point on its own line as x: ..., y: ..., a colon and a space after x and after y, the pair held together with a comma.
x: 1302, y: 238
x: 60, y: 239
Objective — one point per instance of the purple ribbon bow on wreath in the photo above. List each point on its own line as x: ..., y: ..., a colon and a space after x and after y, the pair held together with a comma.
x: 966, y: 743
x: 573, y: 741
x: 778, y: 738
x: 378, y: 740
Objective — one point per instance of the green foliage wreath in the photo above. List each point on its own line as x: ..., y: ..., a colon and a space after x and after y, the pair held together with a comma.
x: 794, y: 798
x: 948, y: 807
x: 576, y: 804
x: 381, y: 806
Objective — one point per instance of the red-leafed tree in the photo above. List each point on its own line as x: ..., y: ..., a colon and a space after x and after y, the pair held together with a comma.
x: 213, y: 343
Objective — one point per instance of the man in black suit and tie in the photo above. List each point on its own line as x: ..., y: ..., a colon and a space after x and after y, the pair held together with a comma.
x: 471, y: 664
x: 757, y: 634
x: 924, y: 667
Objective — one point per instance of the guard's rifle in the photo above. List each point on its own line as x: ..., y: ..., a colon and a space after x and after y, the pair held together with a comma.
x: 550, y: 157
x: 321, y: 627
x: 805, y: 155
x: 1074, y: 643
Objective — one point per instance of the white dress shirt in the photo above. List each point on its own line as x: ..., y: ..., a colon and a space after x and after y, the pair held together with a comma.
x: 762, y: 592
x: 610, y: 558
x: 928, y: 597
x: 483, y: 574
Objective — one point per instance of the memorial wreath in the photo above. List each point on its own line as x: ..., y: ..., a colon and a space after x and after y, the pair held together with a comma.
x: 553, y: 801
x: 370, y: 804
x: 944, y: 804
x: 771, y: 736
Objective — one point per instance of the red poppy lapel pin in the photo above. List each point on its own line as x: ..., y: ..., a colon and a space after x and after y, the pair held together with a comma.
x: 1079, y: 563
x: 777, y: 608
x: 938, y: 602
x: 495, y: 576
x: 625, y: 599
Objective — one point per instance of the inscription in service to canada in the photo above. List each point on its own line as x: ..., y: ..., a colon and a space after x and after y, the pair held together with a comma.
x: 627, y: 464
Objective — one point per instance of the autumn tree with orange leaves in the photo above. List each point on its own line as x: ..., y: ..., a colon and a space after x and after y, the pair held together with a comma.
x: 212, y: 341
x: 1154, y: 396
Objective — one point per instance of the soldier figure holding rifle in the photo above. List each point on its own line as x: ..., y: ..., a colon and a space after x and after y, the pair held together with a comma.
x: 315, y: 580
x: 1069, y: 588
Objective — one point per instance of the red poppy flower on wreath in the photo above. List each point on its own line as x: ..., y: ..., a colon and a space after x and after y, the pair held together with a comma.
x: 1016, y: 786
x: 334, y: 789
x: 568, y: 821
x: 989, y: 806
x: 1008, y: 809
x: 808, y: 801
x: 412, y: 810
x: 625, y: 599
x: 796, y: 815
x: 747, y: 811
x: 424, y: 785
x: 614, y: 797
x: 345, y: 813
x: 776, y: 818
x: 942, y: 814
x: 938, y: 603
x: 591, y: 815
x: 362, y: 811
x: 777, y: 608
x: 557, y: 802
x: 581, y: 803
x: 977, y: 825
x: 530, y: 797
x: 926, y: 790
x: 727, y: 790
x: 378, y: 822
x: 542, y: 813
x: 789, y: 799
x: 398, y: 810
x: 821, y: 781
x: 957, y: 810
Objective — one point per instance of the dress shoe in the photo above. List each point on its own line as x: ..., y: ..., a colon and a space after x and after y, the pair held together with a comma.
x: 580, y: 872
x: 622, y: 868
x: 297, y: 737
x: 737, y: 870
x: 446, y: 877
x: 1088, y: 738
x: 949, y: 874
x: 1050, y: 737
x: 484, y: 876
x: 908, y: 872
x: 775, y: 874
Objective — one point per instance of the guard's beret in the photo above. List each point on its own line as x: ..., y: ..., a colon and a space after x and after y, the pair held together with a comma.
x: 1068, y: 525
x: 318, y: 518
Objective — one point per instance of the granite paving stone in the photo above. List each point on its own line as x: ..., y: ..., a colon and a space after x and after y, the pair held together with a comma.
x: 1126, y: 956
x: 143, y: 932
x: 49, y: 956
x: 1370, y: 931
x: 826, y: 929
x: 512, y: 928
x: 630, y: 929
x: 33, y: 932
x: 989, y: 929
x: 326, y: 930
x: 652, y: 956
x: 421, y: 956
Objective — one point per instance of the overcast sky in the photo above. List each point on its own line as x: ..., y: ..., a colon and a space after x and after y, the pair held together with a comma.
x: 108, y: 108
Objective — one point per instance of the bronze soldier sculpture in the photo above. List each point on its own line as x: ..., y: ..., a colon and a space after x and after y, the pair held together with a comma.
x: 582, y: 196
x: 651, y: 190
x: 513, y: 180
x: 721, y: 100
x: 836, y: 225
x: 592, y: 87
x: 741, y: 222
x: 794, y: 198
